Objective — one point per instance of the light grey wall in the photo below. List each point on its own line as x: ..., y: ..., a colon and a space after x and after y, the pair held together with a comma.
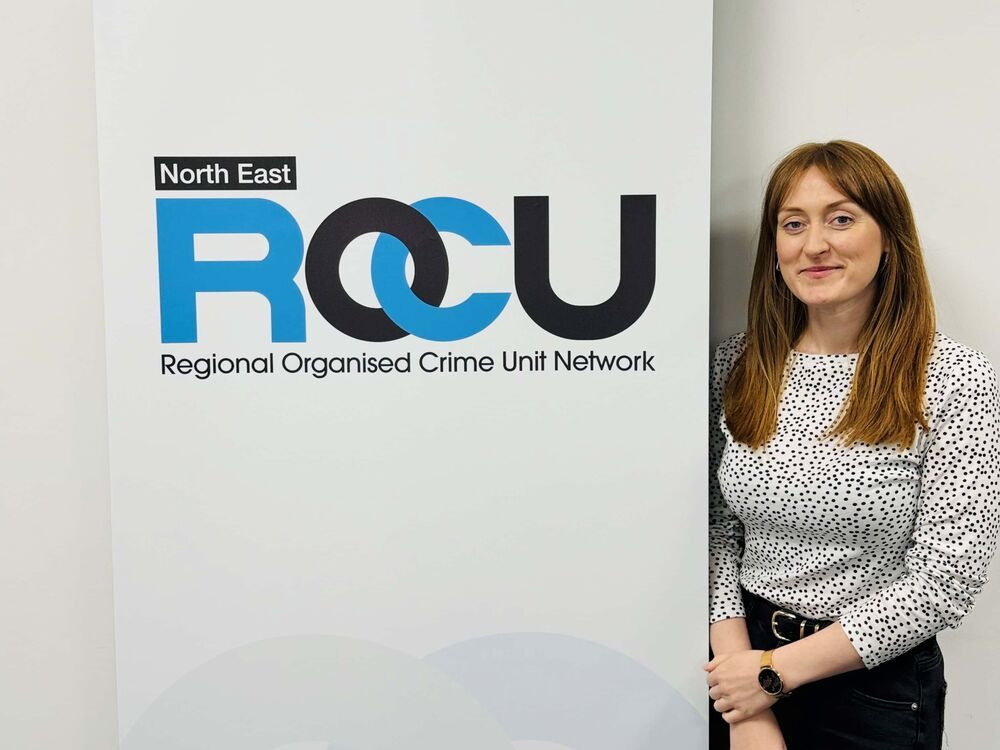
x: 56, y: 648
x: 917, y: 82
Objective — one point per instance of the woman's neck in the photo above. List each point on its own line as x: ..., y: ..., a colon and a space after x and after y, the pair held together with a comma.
x: 832, y: 332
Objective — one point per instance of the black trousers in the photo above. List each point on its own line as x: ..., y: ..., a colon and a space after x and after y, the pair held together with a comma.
x: 897, y: 705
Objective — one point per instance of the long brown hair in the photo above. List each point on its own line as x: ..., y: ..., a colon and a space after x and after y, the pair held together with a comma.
x: 886, y: 397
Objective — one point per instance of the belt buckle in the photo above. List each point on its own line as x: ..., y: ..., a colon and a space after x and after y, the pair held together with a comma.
x: 793, y: 618
x: 774, y: 623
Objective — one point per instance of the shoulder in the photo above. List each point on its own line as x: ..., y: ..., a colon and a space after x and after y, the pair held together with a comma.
x: 725, y: 354
x: 957, y: 372
x: 727, y: 350
x: 954, y: 365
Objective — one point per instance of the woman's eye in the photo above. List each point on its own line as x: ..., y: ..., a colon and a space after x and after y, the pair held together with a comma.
x: 792, y: 225
x: 839, y: 223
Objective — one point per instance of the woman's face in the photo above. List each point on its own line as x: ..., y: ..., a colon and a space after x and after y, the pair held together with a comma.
x: 818, y: 226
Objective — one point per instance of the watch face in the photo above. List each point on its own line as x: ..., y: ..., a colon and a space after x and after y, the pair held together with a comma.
x: 770, y: 681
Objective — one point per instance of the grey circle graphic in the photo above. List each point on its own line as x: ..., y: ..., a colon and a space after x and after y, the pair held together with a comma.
x: 343, y: 691
x: 556, y: 688
x: 481, y: 694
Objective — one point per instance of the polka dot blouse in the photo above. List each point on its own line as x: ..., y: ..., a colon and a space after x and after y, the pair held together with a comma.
x: 894, y: 545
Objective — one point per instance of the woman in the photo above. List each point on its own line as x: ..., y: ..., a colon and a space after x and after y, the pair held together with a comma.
x: 854, y: 503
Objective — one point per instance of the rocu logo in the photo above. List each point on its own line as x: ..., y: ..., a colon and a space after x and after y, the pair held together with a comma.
x: 403, y: 229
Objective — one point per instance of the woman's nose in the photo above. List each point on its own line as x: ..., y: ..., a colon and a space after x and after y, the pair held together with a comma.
x: 815, y: 241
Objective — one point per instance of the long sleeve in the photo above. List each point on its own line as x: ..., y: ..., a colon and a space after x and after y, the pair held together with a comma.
x: 956, y: 528
x: 725, y: 531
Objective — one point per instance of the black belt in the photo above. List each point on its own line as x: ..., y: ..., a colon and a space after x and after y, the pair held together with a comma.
x: 785, y: 625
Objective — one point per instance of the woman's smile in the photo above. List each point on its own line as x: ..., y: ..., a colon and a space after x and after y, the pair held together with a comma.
x: 819, y: 273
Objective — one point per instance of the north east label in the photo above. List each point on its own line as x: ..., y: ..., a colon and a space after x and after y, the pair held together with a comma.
x: 224, y: 172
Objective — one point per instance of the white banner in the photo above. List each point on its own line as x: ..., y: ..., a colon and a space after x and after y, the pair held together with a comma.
x: 407, y: 313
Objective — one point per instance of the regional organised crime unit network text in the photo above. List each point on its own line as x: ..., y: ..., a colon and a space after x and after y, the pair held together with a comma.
x: 428, y: 362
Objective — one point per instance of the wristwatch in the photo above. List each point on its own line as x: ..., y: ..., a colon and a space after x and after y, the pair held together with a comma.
x: 769, y: 679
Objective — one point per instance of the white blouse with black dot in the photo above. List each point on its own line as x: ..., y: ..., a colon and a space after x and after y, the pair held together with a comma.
x: 894, y: 545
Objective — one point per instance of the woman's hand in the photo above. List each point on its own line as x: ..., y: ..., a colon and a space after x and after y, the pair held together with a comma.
x: 732, y: 680
x: 759, y: 732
